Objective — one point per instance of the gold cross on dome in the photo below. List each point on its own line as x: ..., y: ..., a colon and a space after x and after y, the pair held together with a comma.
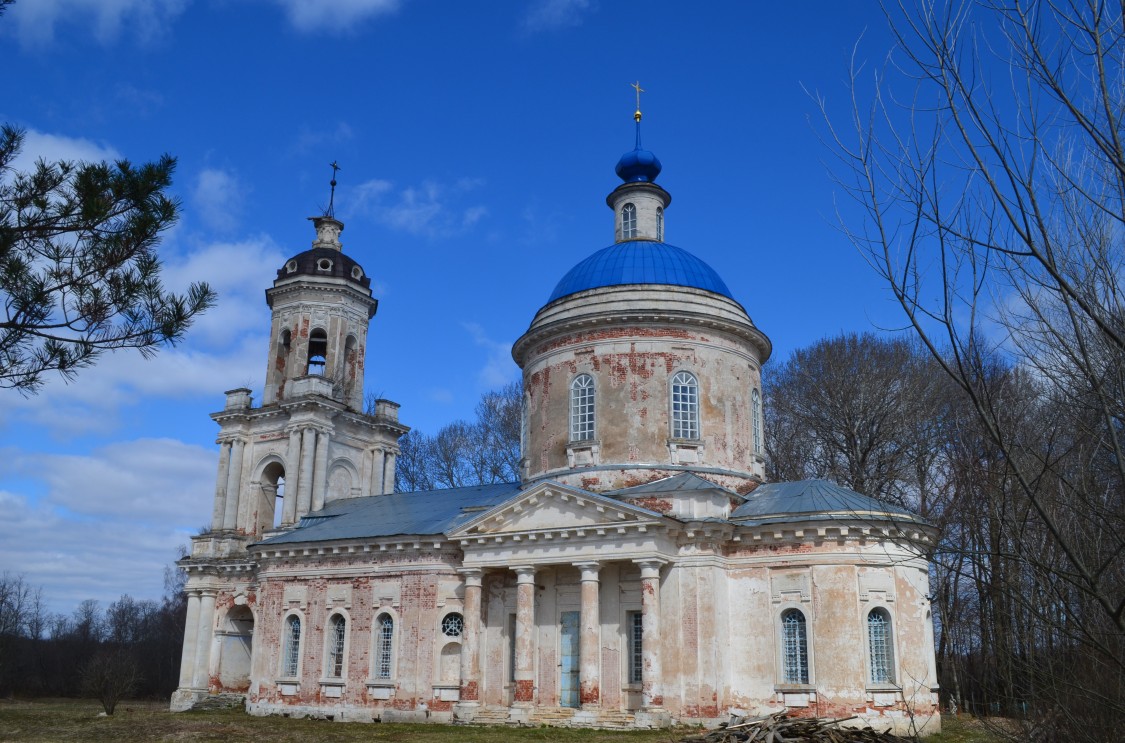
x: 637, y: 87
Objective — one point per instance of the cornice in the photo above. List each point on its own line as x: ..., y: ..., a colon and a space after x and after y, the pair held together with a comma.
x: 540, y: 334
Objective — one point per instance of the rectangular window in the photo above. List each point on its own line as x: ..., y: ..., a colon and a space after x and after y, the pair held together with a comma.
x: 636, y: 647
x: 336, y: 657
x: 292, y: 647
x: 384, y: 647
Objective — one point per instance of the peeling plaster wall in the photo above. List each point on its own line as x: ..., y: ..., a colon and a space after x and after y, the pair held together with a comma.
x: 632, y: 340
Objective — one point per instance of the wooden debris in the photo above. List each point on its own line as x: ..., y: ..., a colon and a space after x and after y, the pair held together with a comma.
x: 780, y: 728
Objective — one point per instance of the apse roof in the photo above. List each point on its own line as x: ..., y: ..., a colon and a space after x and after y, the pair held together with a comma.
x: 640, y: 262
x: 421, y: 512
x: 807, y: 500
x: 684, y: 481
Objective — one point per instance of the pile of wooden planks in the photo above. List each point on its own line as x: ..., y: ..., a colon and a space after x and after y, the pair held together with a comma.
x: 780, y: 728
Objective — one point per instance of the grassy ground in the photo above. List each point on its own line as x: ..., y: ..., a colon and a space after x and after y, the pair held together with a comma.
x: 144, y: 722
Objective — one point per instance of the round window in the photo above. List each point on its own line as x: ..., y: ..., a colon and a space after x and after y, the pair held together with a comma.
x: 356, y: 272
x: 453, y: 625
x: 291, y: 266
x: 324, y: 264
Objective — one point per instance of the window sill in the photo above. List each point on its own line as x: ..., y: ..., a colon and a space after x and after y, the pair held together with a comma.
x: 794, y: 688
x: 333, y: 682
x: 884, y: 687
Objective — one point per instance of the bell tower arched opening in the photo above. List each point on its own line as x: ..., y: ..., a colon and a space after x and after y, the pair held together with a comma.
x: 318, y: 352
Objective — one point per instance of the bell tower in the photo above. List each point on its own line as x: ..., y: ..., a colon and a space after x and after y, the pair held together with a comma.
x: 312, y: 441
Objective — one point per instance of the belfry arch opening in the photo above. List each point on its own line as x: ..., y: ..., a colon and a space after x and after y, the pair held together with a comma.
x: 318, y: 352
x: 271, y: 511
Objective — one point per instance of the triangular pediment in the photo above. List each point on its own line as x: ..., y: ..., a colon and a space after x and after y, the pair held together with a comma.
x: 550, y: 506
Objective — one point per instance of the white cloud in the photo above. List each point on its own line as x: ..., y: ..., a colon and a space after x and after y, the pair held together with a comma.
x: 53, y: 147
x: 431, y: 209
x: 34, y: 21
x: 223, y: 349
x: 335, y: 16
x: 550, y: 15
x: 108, y: 522
x: 499, y: 369
x: 218, y: 195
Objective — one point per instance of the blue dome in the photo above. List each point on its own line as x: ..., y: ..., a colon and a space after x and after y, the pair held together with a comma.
x: 640, y: 262
x: 638, y: 165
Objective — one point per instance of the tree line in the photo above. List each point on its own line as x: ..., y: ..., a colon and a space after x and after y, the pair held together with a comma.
x: 129, y: 649
x: 1018, y: 633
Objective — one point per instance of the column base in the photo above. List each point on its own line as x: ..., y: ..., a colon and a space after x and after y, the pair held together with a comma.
x: 465, y: 711
x: 520, y: 713
x: 652, y: 717
x: 184, y: 698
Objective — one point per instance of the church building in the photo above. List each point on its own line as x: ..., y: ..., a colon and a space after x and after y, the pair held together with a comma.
x: 640, y: 574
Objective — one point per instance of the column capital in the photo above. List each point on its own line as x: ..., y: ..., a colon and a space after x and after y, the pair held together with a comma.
x: 472, y: 576
x: 650, y: 566
x: 589, y: 569
x: 524, y: 573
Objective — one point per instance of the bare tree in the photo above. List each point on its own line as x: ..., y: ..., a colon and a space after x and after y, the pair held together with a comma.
x: 110, y: 676
x: 857, y: 409
x: 988, y: 157
x: 463, y: 453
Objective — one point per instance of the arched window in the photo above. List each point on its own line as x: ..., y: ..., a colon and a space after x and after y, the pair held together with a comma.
x: 628, y: 222
x: 337, y: 631
x: 880, y: 648
x: 291, y: 653
x: 318, y: 351
x: 685, y: 406
x: 582, y: 408
x: 756, y: 419
x: 384, y: 646
x: 452, y: 625
x: 794, y: 647
x: 660, y: 223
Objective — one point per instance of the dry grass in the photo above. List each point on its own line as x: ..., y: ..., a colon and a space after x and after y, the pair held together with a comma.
x: 144, y: 722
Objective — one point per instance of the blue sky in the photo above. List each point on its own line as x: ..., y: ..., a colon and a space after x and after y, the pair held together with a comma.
x: 477, y: 143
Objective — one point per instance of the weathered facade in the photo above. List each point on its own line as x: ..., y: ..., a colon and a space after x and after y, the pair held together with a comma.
x: 639, y: 574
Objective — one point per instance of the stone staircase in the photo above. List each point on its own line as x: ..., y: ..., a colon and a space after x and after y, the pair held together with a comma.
x: 553, y: 716
x: 492, y: 716
x: 616, y: 719
x: 220, y: 701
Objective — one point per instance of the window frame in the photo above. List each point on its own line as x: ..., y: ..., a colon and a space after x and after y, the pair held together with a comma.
x: 634, y: 644
x: 629, y: 221
x: 587, y: 397
x: 756, y: 432
x: 332, y: 646
x: 660, y: 224
x: 800, y: 664
x: 378, y: 650
x: 688, y: 422
x: 290, y: 657
x: 888, y: 648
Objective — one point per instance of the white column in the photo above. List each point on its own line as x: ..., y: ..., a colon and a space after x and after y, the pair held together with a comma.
x: 234, y: 485
x: 191, y: 634
x: 378, y: 461
x: 304, y: 487
x: 652, y: 692
x: 525, y: 627
x: 470, y: 638
x: 205, y: 634
x: 389, y: 472
x: 221, y: 487
x: 589, y: 638
x: 320, y: 471
x: 292, y: 471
